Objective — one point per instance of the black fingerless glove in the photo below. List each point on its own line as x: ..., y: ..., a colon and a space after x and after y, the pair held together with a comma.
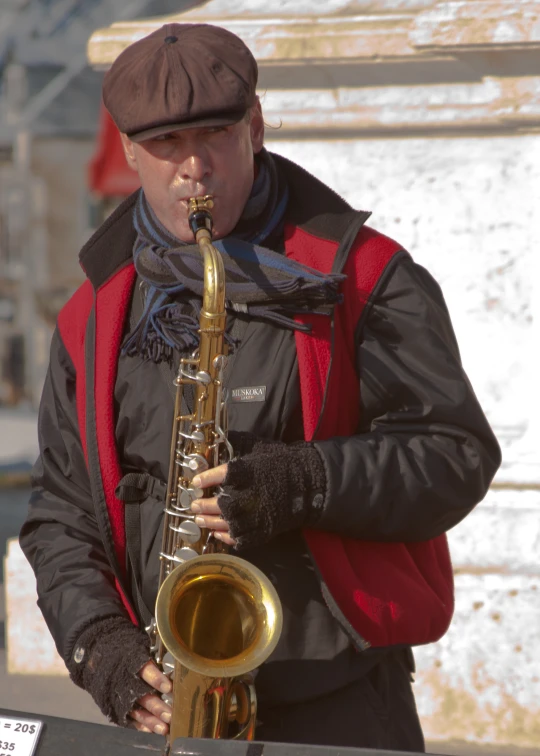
x: 275, y: 488
x: 105, y: 662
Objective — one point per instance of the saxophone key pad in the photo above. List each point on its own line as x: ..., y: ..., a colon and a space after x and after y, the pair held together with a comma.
x: 168, y: 663
x: 186, y: 498
x: 220, y: 361
x: 197, y: 463
x: 185, y: 554
x: 203, y: 377
x: 188, y: 495
x: 189, y: 531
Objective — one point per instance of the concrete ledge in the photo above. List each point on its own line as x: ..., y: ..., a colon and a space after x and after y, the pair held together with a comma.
x: 350, y: 70
x: 481, y: 682
x: 472, y: 24
x: 501, y: 536
x: 30, y: 647
x: 336, y: 31
x: 490, y: 103
x: 314, y: 36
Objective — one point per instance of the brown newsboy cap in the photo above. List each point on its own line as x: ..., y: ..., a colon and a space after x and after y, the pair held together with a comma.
x: 180, y: 76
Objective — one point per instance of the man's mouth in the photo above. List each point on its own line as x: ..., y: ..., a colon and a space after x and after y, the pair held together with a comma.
x: 197, y: 194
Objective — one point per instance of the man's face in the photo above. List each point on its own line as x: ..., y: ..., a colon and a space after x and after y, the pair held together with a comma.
x: 194, y: 162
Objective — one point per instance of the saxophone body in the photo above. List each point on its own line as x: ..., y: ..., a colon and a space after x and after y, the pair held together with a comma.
x: 217, y: 617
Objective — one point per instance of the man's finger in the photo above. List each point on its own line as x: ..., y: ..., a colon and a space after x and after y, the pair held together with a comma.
x: 156, y: 706
x: 152, y: 675
x: 212, y: 477
x: 146, y: 719
x: 212, y: 523
x: 225, y: 538
x: 208, y: 506
x: 133, y: 725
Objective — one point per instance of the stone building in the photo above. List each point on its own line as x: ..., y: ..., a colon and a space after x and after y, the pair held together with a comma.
x: 426, y: 112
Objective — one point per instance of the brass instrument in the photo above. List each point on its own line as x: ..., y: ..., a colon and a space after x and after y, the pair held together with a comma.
x: 217, y: 617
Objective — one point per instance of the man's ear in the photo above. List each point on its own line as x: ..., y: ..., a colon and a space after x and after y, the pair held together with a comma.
x: 129, y: 151
x: 256, y: 126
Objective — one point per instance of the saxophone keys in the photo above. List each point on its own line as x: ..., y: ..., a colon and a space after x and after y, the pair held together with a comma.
x: 197, y: 463
x: 185, y: 499
x: 167, y: 698
x: 188, y: 495
x: 203, y: 377
x: 184, y: 554
x: 189, y: 531
x: 168, y: 664
x: 220, y: 361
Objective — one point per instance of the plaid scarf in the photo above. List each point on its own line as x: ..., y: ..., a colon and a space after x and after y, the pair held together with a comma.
x: 260, y: 283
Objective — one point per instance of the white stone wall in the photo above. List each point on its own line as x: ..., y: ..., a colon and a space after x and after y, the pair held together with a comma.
x: 467, y: 209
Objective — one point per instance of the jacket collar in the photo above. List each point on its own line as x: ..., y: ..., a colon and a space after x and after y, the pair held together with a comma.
x: 111, y: 246
x: 313, y: 207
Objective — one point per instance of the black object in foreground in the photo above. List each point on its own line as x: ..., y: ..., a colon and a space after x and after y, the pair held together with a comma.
x: 69, y: 737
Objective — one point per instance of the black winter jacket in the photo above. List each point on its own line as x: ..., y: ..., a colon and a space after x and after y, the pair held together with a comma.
x: 421, y: 424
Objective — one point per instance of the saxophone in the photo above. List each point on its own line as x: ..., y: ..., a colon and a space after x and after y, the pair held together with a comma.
x: 217, y: 617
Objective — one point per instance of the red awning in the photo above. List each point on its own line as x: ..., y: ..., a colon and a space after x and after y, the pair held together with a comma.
x: 108, y: 172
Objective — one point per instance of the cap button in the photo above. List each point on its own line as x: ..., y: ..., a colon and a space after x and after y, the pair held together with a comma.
x: 170, y: 40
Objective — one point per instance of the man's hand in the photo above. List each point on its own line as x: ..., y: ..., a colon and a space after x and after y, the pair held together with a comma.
x: 276, y: 488
x: 154, y: 714
x: 207, y: 510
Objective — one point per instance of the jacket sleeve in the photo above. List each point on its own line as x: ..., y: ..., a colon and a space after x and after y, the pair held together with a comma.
x: 424, y: 454
x: 60, y: 536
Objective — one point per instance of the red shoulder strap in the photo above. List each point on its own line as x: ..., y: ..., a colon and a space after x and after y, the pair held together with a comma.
x: 368, y: 258
x: 72, y: 322
x: 111, y: 302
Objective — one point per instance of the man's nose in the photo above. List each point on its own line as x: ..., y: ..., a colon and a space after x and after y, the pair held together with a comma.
x: 195, y: 167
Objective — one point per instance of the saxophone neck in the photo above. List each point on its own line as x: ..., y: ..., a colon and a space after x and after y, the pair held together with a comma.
x: 200, y: 221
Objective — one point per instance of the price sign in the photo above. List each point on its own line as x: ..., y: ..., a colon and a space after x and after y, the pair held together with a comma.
x: 19, y: 737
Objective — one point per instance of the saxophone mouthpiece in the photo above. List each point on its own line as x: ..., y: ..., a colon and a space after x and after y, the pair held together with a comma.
x: 200, y: 216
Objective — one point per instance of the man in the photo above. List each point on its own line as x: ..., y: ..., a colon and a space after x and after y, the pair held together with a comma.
x: 360, y: 445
